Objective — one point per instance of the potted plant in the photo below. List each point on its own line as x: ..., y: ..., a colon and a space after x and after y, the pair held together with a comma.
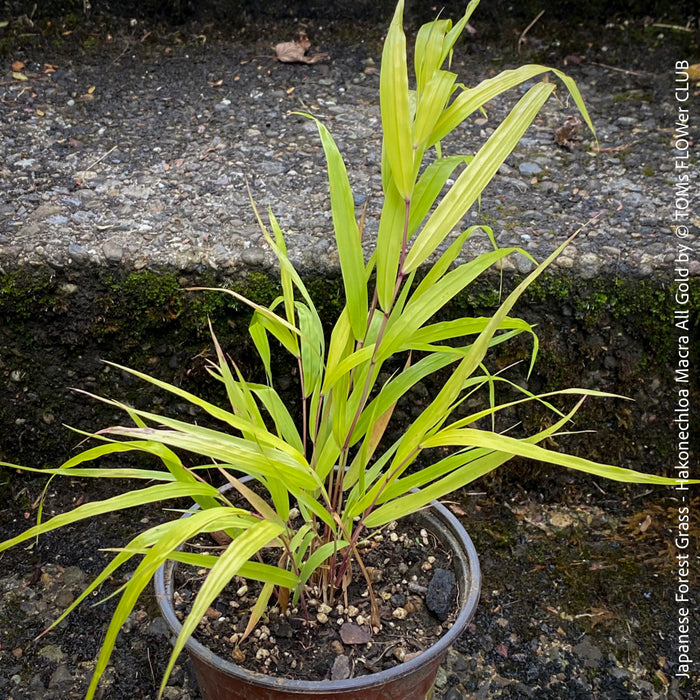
x: 301, y: 498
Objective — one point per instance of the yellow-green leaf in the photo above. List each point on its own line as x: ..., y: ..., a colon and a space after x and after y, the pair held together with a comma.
x: 347, y: 234
x: 394, y: 101
x: 477, y: 175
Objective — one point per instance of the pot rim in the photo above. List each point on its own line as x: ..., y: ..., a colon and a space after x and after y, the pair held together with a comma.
x: 455, y: 537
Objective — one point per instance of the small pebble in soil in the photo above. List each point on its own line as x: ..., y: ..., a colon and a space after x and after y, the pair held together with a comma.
x: 528, y: 169
x: 341, y: 668
x: 400, y: 613
x: 413, y: 604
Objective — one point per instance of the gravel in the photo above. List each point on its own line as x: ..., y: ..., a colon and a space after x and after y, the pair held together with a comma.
x: 137, y: 151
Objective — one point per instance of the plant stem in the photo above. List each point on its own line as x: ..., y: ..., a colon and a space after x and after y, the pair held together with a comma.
x: 389, y: 478
x: 385, y: 319
x: 303, y: 403
x: 297, y: 571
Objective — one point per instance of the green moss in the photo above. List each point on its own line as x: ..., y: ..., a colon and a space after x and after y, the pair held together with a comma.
x: 21, y: 292
x: 157, y: 299
x: 632, y: 96
x: 642, y: 307
x: 617, y: 333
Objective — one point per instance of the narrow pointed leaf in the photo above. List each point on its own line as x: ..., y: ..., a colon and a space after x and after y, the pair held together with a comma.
x: 430, y: 106
x: 319, y: 556
x: 456, y: 31
x: 258, y: 609
x: 512, y: 446
x: 472, y: 99
x: 131, y: 499
x: 400, y: 332
x: 312, y: 348
x: 477, y: 175
x: 429, y: 186
x: 389, y: 241
x: 230, y: 562
x: 284, y: 423
x: 393, y: 98
x: 428, y: 55
x: 347, y: 234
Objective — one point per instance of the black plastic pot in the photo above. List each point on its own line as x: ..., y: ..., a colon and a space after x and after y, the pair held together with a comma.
x: 220, y: 679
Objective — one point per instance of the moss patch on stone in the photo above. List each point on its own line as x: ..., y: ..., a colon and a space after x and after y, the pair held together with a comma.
x: 56, y: 327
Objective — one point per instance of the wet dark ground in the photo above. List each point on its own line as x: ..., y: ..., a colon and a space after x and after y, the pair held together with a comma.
x: 577, y: 598
x: 579, y: 575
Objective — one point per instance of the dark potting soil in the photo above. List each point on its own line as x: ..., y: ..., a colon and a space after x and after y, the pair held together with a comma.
x: 414, y: 586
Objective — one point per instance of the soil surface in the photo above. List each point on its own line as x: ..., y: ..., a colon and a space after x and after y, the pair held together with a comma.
x: 413, y: 585
x: 128, y: 144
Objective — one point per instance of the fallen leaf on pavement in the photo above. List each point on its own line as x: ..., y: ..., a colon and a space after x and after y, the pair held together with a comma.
x: 295, y: 51
x: 694, y: 72
x: 566, y: 135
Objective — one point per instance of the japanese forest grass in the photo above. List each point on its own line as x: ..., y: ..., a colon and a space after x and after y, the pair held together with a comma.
x: 336, y: 465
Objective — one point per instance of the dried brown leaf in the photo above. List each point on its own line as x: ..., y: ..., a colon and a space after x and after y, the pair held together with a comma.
x: 566, y: 134
x: 221, y: 538
x: 295, y: 51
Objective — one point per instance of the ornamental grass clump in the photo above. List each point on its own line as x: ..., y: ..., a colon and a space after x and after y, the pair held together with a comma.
x: 336, y: 467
